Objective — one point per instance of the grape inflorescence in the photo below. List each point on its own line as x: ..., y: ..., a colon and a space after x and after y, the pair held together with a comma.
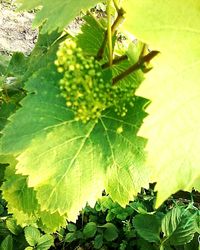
x: 83, y: 85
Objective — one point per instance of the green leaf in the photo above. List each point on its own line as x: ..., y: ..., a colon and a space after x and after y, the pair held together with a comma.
x: 51, y: 221
x: 18, y: 64
x: 28, y: 248
x: 4, y: 61
x: 12, y: 226
x: 136, y: 77
x: 70, y: 237
x: 144, y: 245
x: 173, y: 86
x: 3, y: 229
x: 32, y: 235
x: 57, y: 14
x: 22, y: 203
x: 111, y: 232
x: 91, y: 37
x: 148, y: 227
x: 197, y: 224
x: 45, y: 242
x: 89, y: 230
x: 43, y: 53
x: 15, y: 192
x: 7, y: 243
x: 6, y: 109
x: 178, y: 226
x: 194, y: 244
x: 98, y: 241
x: 71, y: 227
x: 70, y: 155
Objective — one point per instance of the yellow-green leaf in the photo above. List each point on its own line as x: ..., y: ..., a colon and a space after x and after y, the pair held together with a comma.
x: 173, y: 86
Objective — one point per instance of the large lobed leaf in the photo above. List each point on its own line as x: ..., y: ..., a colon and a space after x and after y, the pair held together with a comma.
x: 22, y: 202
x: 69, y: 163
x: 56, y: 14
x: 173, y: 124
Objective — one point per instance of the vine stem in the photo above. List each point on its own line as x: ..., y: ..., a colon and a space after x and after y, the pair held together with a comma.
x: 115, y: 61
x: 117, y: 22
x: 109, y: 32
x: 136, y: 66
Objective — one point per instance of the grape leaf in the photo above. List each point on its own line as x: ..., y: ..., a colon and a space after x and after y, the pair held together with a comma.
x: 136, y: 77
x: 23, y: 204
x: 4, y: 61
x: 172, y: 127
x: 15, y: 191
x: 91, y: 37
x: 90, y: 40
x: 57, y: 14
x: 74, y: 159
x: 43, y: 53
x: 6, y: 109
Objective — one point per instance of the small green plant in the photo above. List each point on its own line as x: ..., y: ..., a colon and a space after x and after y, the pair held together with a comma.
x: 109, y: 226
x: 36, y: 240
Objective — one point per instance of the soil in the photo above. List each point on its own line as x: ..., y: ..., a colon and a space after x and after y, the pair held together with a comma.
x: 16, y: 33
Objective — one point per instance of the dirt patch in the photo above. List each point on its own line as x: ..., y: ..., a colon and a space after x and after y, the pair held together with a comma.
x: 16, y: 33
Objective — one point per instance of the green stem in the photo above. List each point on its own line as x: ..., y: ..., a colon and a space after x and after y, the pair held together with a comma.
x: 117, y: 22
x: 109, y: 32
x: 116, y: 5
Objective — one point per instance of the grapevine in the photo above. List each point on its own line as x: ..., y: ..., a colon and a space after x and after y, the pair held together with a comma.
x: 76, y: 121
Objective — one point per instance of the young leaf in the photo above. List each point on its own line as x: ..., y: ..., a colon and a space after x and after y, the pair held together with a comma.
x: 178, y: 226
x: 71, y: 227
x: 57, y: 14
x: 70, y: 237
x: 32, y: 235
x: 144, y: 245
x: 173, y: 86
x: 45, y: 242
x: 12, y: 226
x: 7, y: 243
x: 111, y: 232
x: 98, y: 241
x: 91, y: 37
x: 89, y: 230
x: 148, y: 227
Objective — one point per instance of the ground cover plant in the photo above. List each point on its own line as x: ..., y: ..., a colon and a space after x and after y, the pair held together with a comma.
x: 109, y: 109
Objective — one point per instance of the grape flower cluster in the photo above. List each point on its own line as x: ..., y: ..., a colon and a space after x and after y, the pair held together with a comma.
x: 83, y: 85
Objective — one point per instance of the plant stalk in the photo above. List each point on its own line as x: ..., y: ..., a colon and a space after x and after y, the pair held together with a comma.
x: 136, y: 66
x: 117, y: 22
x: 115, y: 61
x: 109, y: 32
